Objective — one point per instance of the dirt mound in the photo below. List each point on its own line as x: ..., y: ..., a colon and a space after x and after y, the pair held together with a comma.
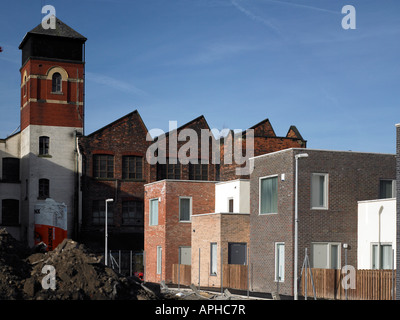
x: 13, y: 269
x: 79, y: 274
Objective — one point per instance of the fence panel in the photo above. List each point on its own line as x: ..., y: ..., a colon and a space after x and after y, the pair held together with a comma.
x: 370, y: 285
x: 184, y: 274
x: 235, y: 276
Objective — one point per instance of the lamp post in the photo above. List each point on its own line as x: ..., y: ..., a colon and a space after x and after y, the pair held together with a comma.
x: 296, y: 222
x: 106, y: 233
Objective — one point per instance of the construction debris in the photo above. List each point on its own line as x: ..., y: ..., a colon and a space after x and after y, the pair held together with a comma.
x: 79, y: 274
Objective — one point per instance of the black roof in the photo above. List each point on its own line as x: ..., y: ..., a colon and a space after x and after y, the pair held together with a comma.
x: 61, y: 30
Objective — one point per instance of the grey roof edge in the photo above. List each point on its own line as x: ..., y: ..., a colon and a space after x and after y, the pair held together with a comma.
x: 62, y: 30
x: 305, y: 150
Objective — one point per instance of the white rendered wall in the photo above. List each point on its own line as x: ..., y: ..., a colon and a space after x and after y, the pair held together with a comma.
x: 59, y: 168
x: 374, y: 228
x: 239, y: 190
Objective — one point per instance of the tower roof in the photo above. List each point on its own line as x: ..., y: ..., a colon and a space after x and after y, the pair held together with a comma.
x: 61, y: 30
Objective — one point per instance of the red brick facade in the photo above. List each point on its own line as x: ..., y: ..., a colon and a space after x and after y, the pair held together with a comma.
x: 219, y: 228
x: 40, y: 106
x: 265, y: 141
x: 170, y: 233
x: 124, y: 137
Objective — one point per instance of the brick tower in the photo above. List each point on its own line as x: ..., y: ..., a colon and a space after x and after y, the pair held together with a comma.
x: 52, y: 117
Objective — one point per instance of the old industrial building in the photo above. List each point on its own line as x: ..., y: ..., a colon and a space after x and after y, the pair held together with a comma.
x: 201, y: 213
x: 51, y: 157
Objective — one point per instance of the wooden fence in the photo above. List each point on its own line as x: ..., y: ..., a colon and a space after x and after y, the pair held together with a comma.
x: 234, y: 275
x: 369, y: 284
x: 184, y: 274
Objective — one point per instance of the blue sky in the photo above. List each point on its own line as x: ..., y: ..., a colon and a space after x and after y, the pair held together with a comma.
x: 236, y: 62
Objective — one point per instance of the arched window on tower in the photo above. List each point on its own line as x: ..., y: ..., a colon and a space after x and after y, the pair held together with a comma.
x: 25, y: 84
x: 56, y: 82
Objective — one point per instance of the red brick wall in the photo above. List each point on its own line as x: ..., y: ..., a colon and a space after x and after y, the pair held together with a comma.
x: 38, y: 88
x: 171, y: 233
x: 221, y: 229
x: 126, y: 136
x: 263, y: 143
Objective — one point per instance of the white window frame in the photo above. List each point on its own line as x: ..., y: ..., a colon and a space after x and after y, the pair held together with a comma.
x: 329, y: 253
x: 159, y: 260
x: 151, y: 223
x: 326, y: 191
x: 212, y: 262
x: 259, y: 193
x: 190, y: 213
x: 379, y: 245
x: 277, y: 262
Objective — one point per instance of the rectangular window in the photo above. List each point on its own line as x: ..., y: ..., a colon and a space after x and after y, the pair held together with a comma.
x: 269, y: 195
x: 387, y: 189
x: 279, y: 262
x: 44, y: 144
x: 237, y: 253
x: 230, y: 205
x: 185, y: 208
x: 10, y: 169
x: 99, y: 212
x: 153, y: 212
x: 103, y: 166
x: 198, y: 171
x: 325, y: 255
x: 9, y: 212
x: 132, y: 167
x: 382, y: 256
x: 319, y: 191
x: 132, y: 212
x: 159, y: 259
x: 213, y: 257
x: 169, y: 170
x: 44, y: 189
x: 185, y: 255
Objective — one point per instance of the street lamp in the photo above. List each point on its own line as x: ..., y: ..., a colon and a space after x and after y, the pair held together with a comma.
x: 296, y: 222
x: 106, y: 232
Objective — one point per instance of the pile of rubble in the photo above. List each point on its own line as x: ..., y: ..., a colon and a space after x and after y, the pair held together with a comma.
x: 79, y: 274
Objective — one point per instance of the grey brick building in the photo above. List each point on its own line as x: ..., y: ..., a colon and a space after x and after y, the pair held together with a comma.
x: 330, y: 184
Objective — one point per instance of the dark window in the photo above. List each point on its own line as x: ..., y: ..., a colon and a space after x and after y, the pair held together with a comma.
x: 237, y: 253
x: 99, y: 212
x: 230, y: 205
x: 185, y: 208
x: 10, y: 212
x: 132, y: 212
x: 387, y: 189
x: 10, y: 169
x: 44, y: 143
x: 132, y: 167
x: 198, y: 171
x: 56, y: 82
x: 169, y: 171
x: 103, y: 166
x: 44, y: 188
